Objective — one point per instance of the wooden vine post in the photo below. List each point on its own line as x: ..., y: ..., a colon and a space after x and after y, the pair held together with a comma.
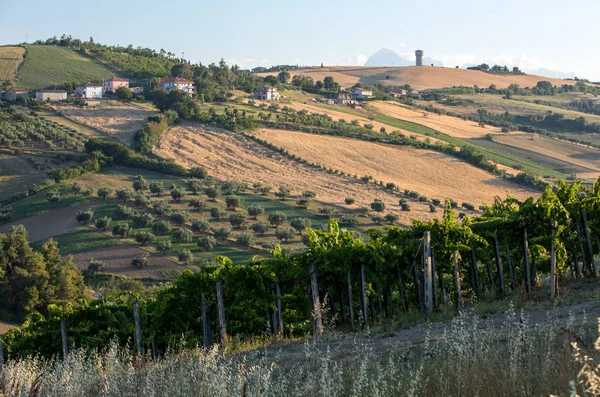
x: 526, y: 267
x: 588, y: 239
x: 553, y: 282
x: 427, y: 272
x: 1, y: 355
x: 499, y: 262
x: 477, y: 286
x: 205, y: 322
x: 314, y: 287
x: 434, y: 271
x: 279, y: 310
x: 221, y: 312
x: 513, y: 275
x: 350, y: 301
x: 458, y: 291
x: 63, y: 338
x: 138, y: 328
x: 363, y: 294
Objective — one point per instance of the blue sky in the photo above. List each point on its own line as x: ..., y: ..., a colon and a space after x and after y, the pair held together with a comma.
x: 531, y: 34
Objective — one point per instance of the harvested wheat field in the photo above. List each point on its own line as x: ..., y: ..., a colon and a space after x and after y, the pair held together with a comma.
x: 230, y: 156
x: 587, y: 158
x: 120, y: 121
x: 117, y: 260
x: 430, y: 173
x: 453, y: 126
x: 419, y: 77
x: 10, y: 59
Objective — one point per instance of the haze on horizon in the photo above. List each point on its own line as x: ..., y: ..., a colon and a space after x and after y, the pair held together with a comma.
x: 532, y: 35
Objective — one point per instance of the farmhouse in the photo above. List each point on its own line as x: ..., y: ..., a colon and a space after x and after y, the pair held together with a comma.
x: 341, y: 98
x: 111, y: 85
x: 51, y: 95
x: 266, y: 93
x: 89, y: 90
x: 361, y: 93
x: 177, y: 83
x: 14, y: 93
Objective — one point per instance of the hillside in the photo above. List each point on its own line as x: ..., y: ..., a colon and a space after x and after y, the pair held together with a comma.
x: 10, y: 58
x: 420, y: 77
x: 49, y: 65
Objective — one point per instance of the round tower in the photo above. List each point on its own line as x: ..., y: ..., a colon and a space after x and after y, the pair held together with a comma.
x: 419, y: 55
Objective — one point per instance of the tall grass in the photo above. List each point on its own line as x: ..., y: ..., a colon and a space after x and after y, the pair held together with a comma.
x: 469, y: 358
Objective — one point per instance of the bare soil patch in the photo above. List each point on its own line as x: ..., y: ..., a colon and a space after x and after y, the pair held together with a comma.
x: 117, y: 260
x: 120, y: 121
x: 52, y: 223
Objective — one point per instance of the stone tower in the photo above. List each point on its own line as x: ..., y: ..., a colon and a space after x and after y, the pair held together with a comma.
x: 419, y: 55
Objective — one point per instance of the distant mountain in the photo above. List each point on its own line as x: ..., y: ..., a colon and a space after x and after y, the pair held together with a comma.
x: 387, y: 57
x: 557, y: 74
x: 428, y: 61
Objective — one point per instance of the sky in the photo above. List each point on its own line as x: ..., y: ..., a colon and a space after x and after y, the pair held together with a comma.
x: 531, y: 34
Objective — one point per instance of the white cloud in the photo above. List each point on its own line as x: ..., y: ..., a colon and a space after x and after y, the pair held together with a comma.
x: 357, y: 60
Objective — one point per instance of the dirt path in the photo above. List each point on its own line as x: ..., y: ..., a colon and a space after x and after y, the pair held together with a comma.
x: 52, y: 223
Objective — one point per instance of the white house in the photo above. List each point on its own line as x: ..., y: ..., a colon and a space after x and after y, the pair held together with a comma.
x: 177, y: 83
x: 89, y: 90
x: 361, y: 93
x: 51, y: 95
x: 266, y: 93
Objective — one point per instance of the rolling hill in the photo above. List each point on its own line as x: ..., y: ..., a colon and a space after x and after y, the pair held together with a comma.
x: 10, y: 58
x: 420, y: 77
x: 49, y: 65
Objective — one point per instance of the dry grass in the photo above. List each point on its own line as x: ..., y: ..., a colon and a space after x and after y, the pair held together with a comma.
x: 120, y: 122
x: 579, y: 155
x: 16, y: 175
x: 419, y: 77
x: 10, y: 58
x: 453, y: 126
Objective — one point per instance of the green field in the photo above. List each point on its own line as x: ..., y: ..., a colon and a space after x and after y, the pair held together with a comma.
x: 82, y: 240
x: 46, y: 66
x: 16, y: 175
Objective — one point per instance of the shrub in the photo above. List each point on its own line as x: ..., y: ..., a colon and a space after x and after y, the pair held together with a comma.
x: 453, y: 204
x: 269, y: 245
x: 76, y: 187
x: 212, y: 192
x: 221, y: 233
x: 300, y: 224
x: 216, y: 213
x: 303, y: 202
x: 283, y: 192
x: 104, y: 192
x: 378, y: 205
x: 161, y: 208
x: 164, y: 246
x: 436, y: 201
x: 366, y: 178
x: 197, y: 204
x: 145, y: 238
x: 198, y: 172
x: 305, y: 239
x: 260, y: 228
x: 390, y: 186
x: 264, y: 190
x: 140, y: 184
x: 255, y: 211
x: 180, y: 217
x: 53, y: 196
x: 156, y: 187
x: 422, y: 199
x: 200, y: 225
x: 161, y: 227
x: 142, y: 219
x: 309, y: 194
x: 432, y: 208
x: 95, y: 265
x: 391, y: 218
x: 405, y: 207
x: 362, y: 211
x: 349, y: 200
x: 185, y: 256
x: 277, y: 218
x: 468, y: 206
x: 84, y: 216
x: 141, y: 260
x: 246, y: 239
x: 183, y: 235
x: 194, y: 185
x: 121, y: 230
x: 238, y: 220
x: 124, y: 195
x: 141, y: 200
x: 285, y: 233
x: 413, y: 194
x: 233, y: 202
x: 402, y: 201
x: 326, y: 211
x: 349, y: 219
x: 177, y: 194
x: 207, y: 243
x: 103, y: 223
x: 378, y: 219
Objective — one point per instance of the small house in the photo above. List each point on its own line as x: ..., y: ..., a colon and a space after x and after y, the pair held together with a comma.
x: 136, y: 90
x: 89, y: 90
x: 341, y: 98
x: 177, y: 83
x: 361, y: 93
x: 112, y: 84
x: 14, y: 93
x: 51, y: 95
x: 266, y: 93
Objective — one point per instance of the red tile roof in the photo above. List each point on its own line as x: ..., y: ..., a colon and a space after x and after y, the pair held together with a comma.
x: 177, y: 80
x: 19, y: 89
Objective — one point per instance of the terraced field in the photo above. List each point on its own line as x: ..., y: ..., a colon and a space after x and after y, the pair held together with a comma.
x: 10, y: 59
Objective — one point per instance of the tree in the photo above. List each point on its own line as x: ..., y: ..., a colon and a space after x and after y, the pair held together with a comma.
x: 185, y: 256
x: 378, y: 205
x: 140, y: 184
x: 124, y: 195
x: 260, y: 228
x: 104, y: 192
x: 53, y: 196
x: 161, y: 208
x: 194, y: 185
x: 183, y: 235
x: 300, y: 224
x: 141, y: 260
x: 283, y: 193
x: 84, y: 216
x: 277, y: 218
x: 164, y: 246
x: 95, y: 265
x: 264, y: 190
x: 200, y: 225
x: 328, y: 83
x: 198, y: 172
x: 197, y: 204
x: 309, y: 194
x: 161, y: 227
x: 145, y: 238
x: 284, y: 77
x: 285, y: 233
x: 103, y: 223
x: 238, y: 220
x: 255, y: 211
x: 212, y: 192
x: 221, y: 233
x: 180, y: 217
x: 303, y: 202
x: 233, y: 202
x: 246, y: 239
x: 177, y: 194
x: 207, y: 243
x: 141, y: 219
x: 124, y: 93
x: 121, y: 230
x: 349, y: 200
x: 392, y: 218
x: 156, y: 187
x: 378, y: 219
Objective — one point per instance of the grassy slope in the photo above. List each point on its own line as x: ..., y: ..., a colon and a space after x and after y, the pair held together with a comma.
x: 16, y: 175
x: 47, y: 65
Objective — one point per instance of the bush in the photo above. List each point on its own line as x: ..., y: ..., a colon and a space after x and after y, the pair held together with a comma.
x: 233, y: 202
x: 207, y: 243
x: 260, y: 228
x: 327, y: 211
x: 197, y: 204
x: 432, y: 208
x: 103, y: 223
x: 413, y: 194
x: 362, y: 211
x: 177, y: 194
x: 405, y: 207
x: 422, y: 199
x: 309, y: 194
x: 200, y: 225
x: 436, y: 201
x: 180, y: 217
x: 246, y: 239
x: 140, y: 184
x: 277, y: 218
x: 283, y: 193
x: 156, y: 187
x: 264, y: 190
x: 121, y: 230
x: 349, y: 200
x: 468, y: 206
x: 194, y: 185
x: 303, y: 202
x: 390, y: 186
x: 124, y: 195
x: 221, y: 233
x: 198, y: 172
x: 145, y: 238
x: 142, y: 219
x: 285, y: 233
x: 141, y: 260
x: 238, y: 220
x: 84, y: 216
x: 216, y: 213
x: 183, y: 235
x: 161, y: 208
x: 391, y: 218
x: 53, y: 196
x: 378, y: 219
x: 104, y: 192
x: 349, y: 219
x: 95, y: 265
x: 453, y: 204
x: 212, y: 192
x: 378, y: 205
x: 161, y: 227
x: 164, y: 246
x: 185, y: 256
x: 300, y: 224
x: 255, y: 211
x: 76, y: 187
